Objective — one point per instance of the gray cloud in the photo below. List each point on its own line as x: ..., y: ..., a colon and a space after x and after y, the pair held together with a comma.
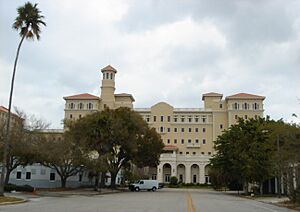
x: 164, y: 51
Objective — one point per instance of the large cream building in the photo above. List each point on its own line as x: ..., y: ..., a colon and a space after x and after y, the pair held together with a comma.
x: 188, y: 133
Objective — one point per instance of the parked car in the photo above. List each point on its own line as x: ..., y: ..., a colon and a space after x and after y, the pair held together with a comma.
x: 149, y: 185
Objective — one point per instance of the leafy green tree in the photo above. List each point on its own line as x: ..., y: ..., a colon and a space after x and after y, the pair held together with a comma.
x: 121, y: 136
x: 244, y: 152
x: 285, y: 138
x: 58, y: 152
x: 28, y: 22
x: 23, y: 135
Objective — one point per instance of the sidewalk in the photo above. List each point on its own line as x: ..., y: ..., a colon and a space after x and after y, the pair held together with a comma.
x: 79, y: 192
x: 272, y: 200
x: 282, y: 202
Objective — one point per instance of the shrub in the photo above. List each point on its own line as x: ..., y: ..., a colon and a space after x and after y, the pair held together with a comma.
x: 12, y: 187
x: 173, y: 180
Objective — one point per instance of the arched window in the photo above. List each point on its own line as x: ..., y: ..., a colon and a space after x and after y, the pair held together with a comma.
x: 107, y: 75
x: 245, y: 106
x: 90, y: 106
x: 80, y: 106
x: 236, y: 106
x: 72, y: 105
x: 255, y: 106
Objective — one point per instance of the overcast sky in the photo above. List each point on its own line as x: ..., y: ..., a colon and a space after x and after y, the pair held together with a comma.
x: 164, y: 50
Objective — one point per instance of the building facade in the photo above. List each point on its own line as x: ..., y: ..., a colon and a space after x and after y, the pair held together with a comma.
x: 188, y: 133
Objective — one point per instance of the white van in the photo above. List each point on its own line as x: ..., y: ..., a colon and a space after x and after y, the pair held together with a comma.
x: 144, y: 185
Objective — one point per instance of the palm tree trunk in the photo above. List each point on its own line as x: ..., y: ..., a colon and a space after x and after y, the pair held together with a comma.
x: 6, y: 144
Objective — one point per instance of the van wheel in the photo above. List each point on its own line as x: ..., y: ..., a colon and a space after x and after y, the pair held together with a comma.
x: 137, y: 189
x: 154, y: 189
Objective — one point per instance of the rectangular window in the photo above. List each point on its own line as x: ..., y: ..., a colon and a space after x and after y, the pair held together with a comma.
x: 221, y: 126
x: 169, y: 118
x: 246, y: 117
x: 175, y: 129
x: 169, y: 129
x: 187, y: 153
x: 202, y: 153
x: 182, y: 119
x: 209, y: 153
x: 19, y: 175
x: 194, y: 153
x: 148, y: 119
x: 196, y: 119
x: 154, y: 177
x: 236, y: 116
x: 168, y: 141
x: 175, y: 119
x: 167, y: 178
x: 161, y: 129
x: 182, y: 141
x: 71, y: 116
x: 189, y: 141
x: 203, y: 130
x: 190, y: 119
x: 180, y: 153
x: 154, y: 118
x: 190, y: 129
x: 161, y: 118
x: 80, y: 177
x: 204, y: 141
x: 175, y: 141
x: 33, y: 171
x: 221, y: 106
x: 196, y: 141
x: 52, y: 176
x: 203, y: 119
x: 196, y: 129
x: 28, y: 176
x: 182, y: 129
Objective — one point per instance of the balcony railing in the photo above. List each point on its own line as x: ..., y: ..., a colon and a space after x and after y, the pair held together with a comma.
x: 192, y: 145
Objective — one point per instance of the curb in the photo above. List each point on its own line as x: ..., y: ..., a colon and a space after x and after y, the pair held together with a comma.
x: 57, y: 194
x: 14, y: 203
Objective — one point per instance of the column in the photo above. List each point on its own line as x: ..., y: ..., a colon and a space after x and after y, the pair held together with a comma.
x: 160, y: 173
x: 202, y: 174
x: 187, y: 173
x: 173, y: 169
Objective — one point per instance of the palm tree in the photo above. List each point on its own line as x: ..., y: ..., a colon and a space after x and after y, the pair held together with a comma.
x: 28, y: 22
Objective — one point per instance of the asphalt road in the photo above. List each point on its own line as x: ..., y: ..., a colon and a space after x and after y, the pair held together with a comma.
x: 165, y: 200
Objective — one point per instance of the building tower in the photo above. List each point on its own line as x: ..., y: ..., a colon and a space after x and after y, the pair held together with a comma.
x: 108, y: 87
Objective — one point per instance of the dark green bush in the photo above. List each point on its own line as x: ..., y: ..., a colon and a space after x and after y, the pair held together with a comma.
x: 12, y: 187
x: 173, y: 180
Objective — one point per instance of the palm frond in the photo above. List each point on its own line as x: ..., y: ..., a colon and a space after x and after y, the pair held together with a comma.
x: 28, y: 21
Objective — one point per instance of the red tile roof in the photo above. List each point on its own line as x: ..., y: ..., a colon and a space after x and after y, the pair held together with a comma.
x: 212, y: 94
x: 245, y: 96
x: 82, y: 96
x: 170, y: 147
x: 3, y: 109
x: 109, y: 68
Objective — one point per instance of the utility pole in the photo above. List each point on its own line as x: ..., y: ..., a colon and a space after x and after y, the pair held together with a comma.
x: 279, y: 169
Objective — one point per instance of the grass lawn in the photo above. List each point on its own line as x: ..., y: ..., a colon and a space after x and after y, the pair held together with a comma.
x: 9, y: 199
